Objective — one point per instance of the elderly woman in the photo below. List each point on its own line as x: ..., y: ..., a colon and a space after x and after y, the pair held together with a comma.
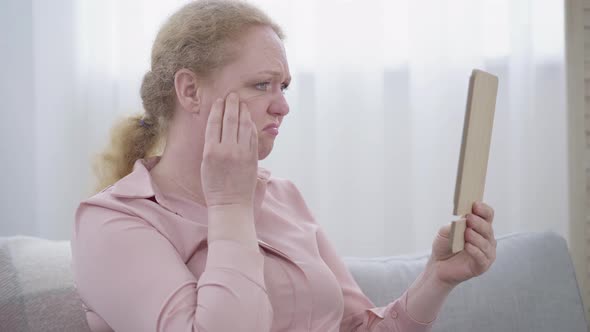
x: 199, y: 238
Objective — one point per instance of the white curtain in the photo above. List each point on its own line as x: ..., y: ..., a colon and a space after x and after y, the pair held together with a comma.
x: 377, y: 105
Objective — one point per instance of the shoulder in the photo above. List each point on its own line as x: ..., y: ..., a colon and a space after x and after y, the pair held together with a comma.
x: 283, y: 188
x: 104, y: 202
x: 103, y: 213
x: 287, y: 194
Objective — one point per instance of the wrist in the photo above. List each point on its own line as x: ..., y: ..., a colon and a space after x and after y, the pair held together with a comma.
x: 232, y: 222
x: 235, y: 208
x: 426, y: 296
x: 434, y: 280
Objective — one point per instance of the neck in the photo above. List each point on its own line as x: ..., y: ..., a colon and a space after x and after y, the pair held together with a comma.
x: 179, y: 169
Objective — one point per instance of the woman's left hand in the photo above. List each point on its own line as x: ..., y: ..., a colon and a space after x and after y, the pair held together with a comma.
x: 477, y: 256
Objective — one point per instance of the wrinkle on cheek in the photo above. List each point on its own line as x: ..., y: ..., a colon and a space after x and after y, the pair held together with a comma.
x: 249, y: 94
x: 249, y: 98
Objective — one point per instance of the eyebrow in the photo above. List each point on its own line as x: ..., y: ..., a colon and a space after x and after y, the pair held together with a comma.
x: 275, y: 73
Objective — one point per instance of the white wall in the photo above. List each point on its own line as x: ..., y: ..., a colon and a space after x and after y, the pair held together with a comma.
x: 17, y: 126
x: 41, y: 122
x: 61, y: 123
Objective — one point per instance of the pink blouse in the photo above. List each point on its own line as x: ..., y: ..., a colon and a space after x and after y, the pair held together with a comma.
x: 141, y: 262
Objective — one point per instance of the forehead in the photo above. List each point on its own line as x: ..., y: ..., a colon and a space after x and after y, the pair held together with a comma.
x: 260, y: 49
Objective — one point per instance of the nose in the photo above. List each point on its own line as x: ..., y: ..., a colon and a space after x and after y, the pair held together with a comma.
x: 279, y: 106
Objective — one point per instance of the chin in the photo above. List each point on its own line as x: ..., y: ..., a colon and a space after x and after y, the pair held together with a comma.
x: 264, y: 150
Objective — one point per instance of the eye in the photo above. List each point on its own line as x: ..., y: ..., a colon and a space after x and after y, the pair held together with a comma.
x: 262, y: 86
x: 284, y: 87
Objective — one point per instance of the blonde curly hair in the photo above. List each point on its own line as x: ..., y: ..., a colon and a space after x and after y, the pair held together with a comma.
x: 198, y: 37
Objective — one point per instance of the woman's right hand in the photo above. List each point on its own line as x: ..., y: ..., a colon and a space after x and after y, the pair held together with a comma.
x: 230, y: 156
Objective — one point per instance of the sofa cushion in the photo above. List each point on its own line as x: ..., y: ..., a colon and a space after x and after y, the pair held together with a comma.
x: 530, y: 287
x: 36, y: 288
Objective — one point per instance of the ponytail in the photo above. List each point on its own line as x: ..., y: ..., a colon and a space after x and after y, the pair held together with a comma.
x: 132, y: 138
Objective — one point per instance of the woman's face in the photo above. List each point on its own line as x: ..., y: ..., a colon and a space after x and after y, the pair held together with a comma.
x: 259, y: 76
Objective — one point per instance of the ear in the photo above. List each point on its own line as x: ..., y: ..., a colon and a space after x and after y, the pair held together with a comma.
x: 188, y: 90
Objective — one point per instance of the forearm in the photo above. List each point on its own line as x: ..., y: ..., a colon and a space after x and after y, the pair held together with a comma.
x: 426, y: 296
x: 232, y: 222
x: 232, y: 283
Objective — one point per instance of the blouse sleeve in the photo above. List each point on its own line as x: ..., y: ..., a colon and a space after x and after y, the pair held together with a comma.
x: 360, y: 314
x: 135, y: 280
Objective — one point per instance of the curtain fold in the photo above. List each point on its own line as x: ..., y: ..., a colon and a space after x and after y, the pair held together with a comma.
x: 377, y: 105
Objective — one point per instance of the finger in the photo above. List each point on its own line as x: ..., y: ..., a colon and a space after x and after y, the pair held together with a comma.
x: 213, y: 130
x: 244, y: 130
x: 445, y: 231
x: 480, y: 225
x: 477, y: 240
x: 229, y: 131
x: 483, y: 210
x: 480, y: 258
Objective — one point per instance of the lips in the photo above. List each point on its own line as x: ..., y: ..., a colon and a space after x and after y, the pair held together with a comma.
x: 272, y: 129
x: 272, y: 125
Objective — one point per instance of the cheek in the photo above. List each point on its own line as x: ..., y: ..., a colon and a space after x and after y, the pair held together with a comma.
x: 204, y: 113
x: 205, y: 107
x: 248, y: 94
x: 257, y: 105
x: 257, y: 109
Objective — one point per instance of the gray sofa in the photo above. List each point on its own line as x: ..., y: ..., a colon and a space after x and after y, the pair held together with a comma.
x: 531, y: 287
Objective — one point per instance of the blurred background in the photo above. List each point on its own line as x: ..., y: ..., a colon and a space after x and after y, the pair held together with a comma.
x: 377, y: 106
